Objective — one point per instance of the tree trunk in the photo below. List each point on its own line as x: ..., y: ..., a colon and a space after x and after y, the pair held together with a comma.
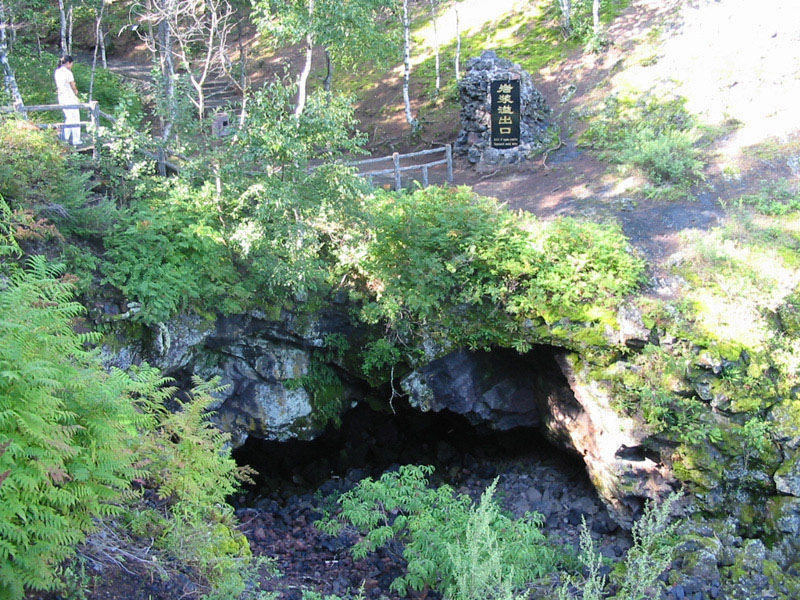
x: 98, y: 36
x: 566, y: 16
x: 436, y: 46
x: 407, y: 64
x: 596, y: 18
x: 458, y: 46
x: 168, y: 76
x: 326, y: 83
x: 69, y: 27
x: 8, y: 73
x: 103, y: 59
x: 303, y: 79
x: 12, y: 34
x: 243, y: 81
x: 63, y: 18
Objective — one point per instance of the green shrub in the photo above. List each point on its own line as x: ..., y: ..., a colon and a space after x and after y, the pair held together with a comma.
x: 73, y: 436
x: 653, y: 134
x: 464, y: 268
x: 169, y: 254
x: 654, y: 543
x: 441, y: 532
x: 774, y: 198
x: 666, y: 158
x: 34, y: 169
x: 64, y: 422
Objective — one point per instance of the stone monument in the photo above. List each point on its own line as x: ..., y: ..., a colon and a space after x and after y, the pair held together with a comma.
x: 511, y: 130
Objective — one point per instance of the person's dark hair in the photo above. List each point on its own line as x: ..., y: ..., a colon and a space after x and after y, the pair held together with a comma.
x: 64, y: 60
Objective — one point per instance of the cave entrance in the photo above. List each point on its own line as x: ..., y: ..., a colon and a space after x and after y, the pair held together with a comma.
x: 299, y: 480
x: 533, y: 474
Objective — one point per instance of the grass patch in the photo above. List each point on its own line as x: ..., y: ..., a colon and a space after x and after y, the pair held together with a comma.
x: 659, y: 137
x: 739, y: 276
x: 778, y: 197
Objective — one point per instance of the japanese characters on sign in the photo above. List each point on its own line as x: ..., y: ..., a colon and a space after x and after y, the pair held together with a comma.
x: 505, y: 113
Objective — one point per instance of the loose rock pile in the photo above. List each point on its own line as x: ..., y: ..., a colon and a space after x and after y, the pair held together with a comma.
x: 474, y: 139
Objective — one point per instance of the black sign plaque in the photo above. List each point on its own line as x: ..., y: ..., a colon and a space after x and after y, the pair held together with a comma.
x: 505, y: 113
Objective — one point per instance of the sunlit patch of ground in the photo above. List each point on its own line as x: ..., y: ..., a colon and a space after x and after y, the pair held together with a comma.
x: 731, y: 59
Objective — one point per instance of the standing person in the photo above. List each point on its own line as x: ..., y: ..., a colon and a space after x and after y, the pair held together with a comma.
x: 68, y: 94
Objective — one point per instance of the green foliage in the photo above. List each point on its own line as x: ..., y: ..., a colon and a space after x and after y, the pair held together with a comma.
x: 295, y: 224
x: 34, y: 169
x: 654, y: 543
x: 169, y: 254
x: 464, y: 269
x: 481, y: 566
x: 181, y: 437
x: 652, y: 134
x: 775, y: 198
x: 353, y: 31
x: 64, y: 421
x: 74, y: 436
x: 667, y: 158
x: 325, y: 389
x: 441, y: 532
x: 187, y: 461
x: 34, y: 75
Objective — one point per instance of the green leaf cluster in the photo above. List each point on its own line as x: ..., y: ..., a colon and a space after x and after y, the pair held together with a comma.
x: 465, y: 270
x: 65, y: 423
x: 655, y: 541
x: 74, y: 436
x: 34, y: 170
x: 654, y: 134
x: 440, y: 532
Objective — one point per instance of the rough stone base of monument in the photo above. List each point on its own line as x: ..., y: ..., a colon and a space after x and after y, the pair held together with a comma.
x: 474, y: 139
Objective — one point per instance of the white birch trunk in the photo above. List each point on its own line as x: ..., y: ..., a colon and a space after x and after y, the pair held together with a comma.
x: 103, y: 59
x: 458, y: 46
x: 566, y: 16
x: 302, y: 81
x: 63, y: 20
x: 98, y: 36
x: 596, y: 17
x: 436, y: 46
x: 407, y: 64
x: 69, y: 27
x: 8, y: 73
x: 164, y: 50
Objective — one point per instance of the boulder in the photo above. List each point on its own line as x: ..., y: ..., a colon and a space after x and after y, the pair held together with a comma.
x: 488, y: 391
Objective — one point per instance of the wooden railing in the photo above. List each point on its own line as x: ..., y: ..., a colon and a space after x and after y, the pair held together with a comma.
x: 160, y: 155
x: 94, y: 118
x: 397, y: 168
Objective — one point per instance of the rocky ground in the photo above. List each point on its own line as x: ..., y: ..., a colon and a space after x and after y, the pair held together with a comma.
x: 278, y: 514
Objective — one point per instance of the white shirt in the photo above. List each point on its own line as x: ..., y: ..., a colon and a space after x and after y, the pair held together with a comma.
x: 63, y: 78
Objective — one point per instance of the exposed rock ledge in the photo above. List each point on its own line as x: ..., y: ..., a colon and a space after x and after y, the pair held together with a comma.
x: 262, y: 362
x: 546, y: 389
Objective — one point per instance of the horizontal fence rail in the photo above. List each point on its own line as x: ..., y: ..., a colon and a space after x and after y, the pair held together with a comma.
x: 94, y: 118
x: 397, y: 169
x: 160, y: 154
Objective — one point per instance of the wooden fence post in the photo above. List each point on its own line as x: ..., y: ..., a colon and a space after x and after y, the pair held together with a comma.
x: 398, y: 184
x: 95, y: 122
x: 448, y: 153
x: 424, y: 176
x: 162, y: 162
